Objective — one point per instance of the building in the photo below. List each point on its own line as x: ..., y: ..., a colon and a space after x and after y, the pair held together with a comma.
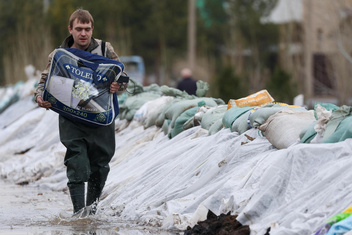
x: 316, y: 46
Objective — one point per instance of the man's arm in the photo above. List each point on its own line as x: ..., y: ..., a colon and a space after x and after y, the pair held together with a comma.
x: 39, y: 90
x: 111, y: 54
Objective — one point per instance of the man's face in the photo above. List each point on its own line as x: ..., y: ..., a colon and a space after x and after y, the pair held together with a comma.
x: 81, y: 33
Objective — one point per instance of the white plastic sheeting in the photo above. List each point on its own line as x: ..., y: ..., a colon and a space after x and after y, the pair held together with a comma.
x: 172, y: 183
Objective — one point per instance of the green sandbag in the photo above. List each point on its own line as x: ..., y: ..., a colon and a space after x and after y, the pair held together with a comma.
x: 336, y: 118
x: 327, y: 106
x: 343, y: 131
x: 232, y: 114
x: 202, y: 88
x: 308, y: 133
x: 184, y: 117
x: 177, y: 108
x: 240, y: 125
x: 331, y: 136
x: 153, y: 88
x: 170, y: 91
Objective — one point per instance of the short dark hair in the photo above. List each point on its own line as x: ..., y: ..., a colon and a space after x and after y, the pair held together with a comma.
x: 83, y: 16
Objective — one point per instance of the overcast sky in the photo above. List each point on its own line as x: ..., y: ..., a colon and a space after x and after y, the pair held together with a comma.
x: 286, y: 10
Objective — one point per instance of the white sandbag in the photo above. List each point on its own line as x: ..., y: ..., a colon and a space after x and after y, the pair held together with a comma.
x: 283, y: 128
x: 134, y: 103
x: 151, y: 108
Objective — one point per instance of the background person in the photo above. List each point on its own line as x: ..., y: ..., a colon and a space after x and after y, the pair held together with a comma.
x: 187, y: 83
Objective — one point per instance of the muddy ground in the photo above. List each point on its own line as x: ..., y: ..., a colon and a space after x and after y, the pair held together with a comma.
x: 225, y: 224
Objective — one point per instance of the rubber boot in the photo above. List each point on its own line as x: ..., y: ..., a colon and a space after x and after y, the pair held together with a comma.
x: 93, y: 194
x: 77, y: 196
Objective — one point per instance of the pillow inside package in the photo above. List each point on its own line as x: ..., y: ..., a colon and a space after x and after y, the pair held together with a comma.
x: 78, y: 86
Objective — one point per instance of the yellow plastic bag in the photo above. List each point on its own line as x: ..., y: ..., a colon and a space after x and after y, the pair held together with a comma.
x: 256, y: 99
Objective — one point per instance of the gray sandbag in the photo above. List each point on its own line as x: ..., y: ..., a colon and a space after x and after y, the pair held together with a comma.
x: 161, y: 117
x: 213, y: 115
x: 216, y: 127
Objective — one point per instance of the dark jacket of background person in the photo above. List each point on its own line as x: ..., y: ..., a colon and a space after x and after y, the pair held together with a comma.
x: 187, y: 83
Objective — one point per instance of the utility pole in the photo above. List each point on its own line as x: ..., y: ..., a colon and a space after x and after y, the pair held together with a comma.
x: 308, y: 51
x: 191, y: 34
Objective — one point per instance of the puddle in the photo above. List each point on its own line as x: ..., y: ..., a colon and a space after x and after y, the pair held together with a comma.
x: 31, y: 211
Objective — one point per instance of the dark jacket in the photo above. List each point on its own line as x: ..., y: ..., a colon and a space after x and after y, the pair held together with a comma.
x: 189, y: 85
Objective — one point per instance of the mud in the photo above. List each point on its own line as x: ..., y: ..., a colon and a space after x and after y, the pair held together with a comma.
x: 224, y: 224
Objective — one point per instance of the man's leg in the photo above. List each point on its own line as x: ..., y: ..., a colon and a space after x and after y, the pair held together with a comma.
x: 101, y: 150
x: 77, y: 196
x: 76, y: 160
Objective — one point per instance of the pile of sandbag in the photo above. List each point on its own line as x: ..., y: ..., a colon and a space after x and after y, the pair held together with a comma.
x: 333, y: 124
x: 283, y: 125
x: 280, y: 123
x: 171, y: 109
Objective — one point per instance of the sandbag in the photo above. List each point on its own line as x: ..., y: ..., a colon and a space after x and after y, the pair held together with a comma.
x: 343, y: 131
x: 179, y: 107
x: 157, y: 105
x: 170, y: 91
x: 332, y: 125
x: 180, y: 121
x: 148, y: 108
x: 133, y: 103
x: 202, y: 88
x: 256, y: 99
x: 213, y: 115
x: 240, y: 125
x: 161, y: 117
x: 336, y: 118
x: 283, y: 128
x: 216, y: 127
x: 307, y: 134
x: 232, y: 114
x: 259, y: 114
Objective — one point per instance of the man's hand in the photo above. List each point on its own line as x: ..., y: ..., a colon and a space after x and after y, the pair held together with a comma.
x: 42, y: 103
x: 114, y: 87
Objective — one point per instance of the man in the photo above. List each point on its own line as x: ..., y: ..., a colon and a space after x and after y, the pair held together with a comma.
x: 187, y: 83
x: 89, y: 149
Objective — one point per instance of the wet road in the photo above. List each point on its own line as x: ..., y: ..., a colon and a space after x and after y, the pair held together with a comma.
x: 29, y: 210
